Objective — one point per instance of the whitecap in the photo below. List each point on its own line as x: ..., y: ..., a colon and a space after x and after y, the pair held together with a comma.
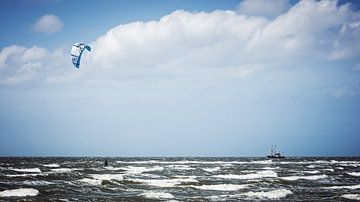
x: 312, y: 166
x: 312, y: 171
x: 27, y: 170
x: 344, y: 187
x: 222, y: 187
x: 339, y: 168
x: 311, y: 177
x: 53, y: 165
x: 19, y: 192
x: 180, y: 167
x: 65, y: 170
x: 351, y: 196
x: 274, y: 194
x: 270, y: 168
x: 37, y: 183
x: 356, y: 174
x: 27, y: 175
x: 329, y: 169
x: 210, y: 170
x: 113, y: 168
x: 138, y: 170
x: 165, y: 182
x: 95, y: 182
x: 260, y: 174
x: 157, y: 195
x: 108, y: 177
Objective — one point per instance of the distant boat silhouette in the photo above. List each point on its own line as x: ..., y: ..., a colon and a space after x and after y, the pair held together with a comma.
x: 274, y: 154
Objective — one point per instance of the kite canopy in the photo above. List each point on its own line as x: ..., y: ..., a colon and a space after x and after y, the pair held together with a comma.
x: 76, y: 52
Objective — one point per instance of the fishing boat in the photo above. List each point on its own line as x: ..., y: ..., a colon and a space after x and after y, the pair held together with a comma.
x: 274, y: 153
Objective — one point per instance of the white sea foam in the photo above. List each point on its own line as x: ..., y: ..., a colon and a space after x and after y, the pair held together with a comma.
x: 210, y: 170
x: 165, y: 182
x: 37, y: 183
x: 312, y: 171
x: 27, y: 175
x: 311, y: 177
x: 222, y: 187
x: 274, y: 194
x: 107, y: 177
x: 19, y: 192
x: 339, y: 168
x: 53, y: 165
x: 312, y: 166
x: 27, y: 170
x: 157, y: 195
x: 113, y: 168
x: 180, y: 167
x: 260, y: 174
x: 270, y: 168
x: 351, y: 196
x: 344, y: 187
x: 356, y: 174
x: 329, y: 169
x: 95, y: 182
x: 64, y: 170
x: 138, y: 170
x: 196, y: 162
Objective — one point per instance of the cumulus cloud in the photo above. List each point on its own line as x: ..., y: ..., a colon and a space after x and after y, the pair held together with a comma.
x: 48, y: 24
x: 19, y: 64
x: 264, y: 8
x: 188, y: 46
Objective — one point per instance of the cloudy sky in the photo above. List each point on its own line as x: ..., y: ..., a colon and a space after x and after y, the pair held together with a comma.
x: 180, y: 78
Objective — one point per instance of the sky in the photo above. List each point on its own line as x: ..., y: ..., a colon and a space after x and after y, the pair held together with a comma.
x: 180, y: 78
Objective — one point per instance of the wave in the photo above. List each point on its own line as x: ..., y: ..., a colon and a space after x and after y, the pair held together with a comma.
x: 196, y: 162
x: 311, y: 177
x: 180, y: 167
x: 311, y: 171
x: 344, y: 187
x: 19, y: 192
x: 108, y: 177
x: 64, y: 170
x: 356, y: 174
x: 53, y: 165
x: 211, y: 170
x: 274, y: 194
x: 27, y: 170
x: 138, y: 170
x: 351, y: 196
x: 165, y: 182
x: 27, y: 175
x: 112, y: 168
x: 94, y: 182
x: 222, y: 187
x: 260, y: 174
x: 157, y: 195
x: 37, y: 183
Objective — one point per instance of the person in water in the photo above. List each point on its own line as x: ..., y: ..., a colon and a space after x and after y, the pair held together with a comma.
x: 105, y: 162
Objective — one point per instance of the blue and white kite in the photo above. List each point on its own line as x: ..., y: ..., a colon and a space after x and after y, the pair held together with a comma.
x: 76, y: 52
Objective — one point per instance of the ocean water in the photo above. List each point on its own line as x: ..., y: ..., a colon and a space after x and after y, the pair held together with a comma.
x: 179, y: 179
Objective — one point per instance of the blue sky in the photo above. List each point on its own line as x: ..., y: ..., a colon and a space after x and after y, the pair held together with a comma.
x: 180, y: 78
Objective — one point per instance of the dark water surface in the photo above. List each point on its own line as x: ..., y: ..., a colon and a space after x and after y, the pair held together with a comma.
x: 179, y: 179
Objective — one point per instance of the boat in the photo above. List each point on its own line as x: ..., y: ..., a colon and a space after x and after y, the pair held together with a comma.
x: 274, y: 153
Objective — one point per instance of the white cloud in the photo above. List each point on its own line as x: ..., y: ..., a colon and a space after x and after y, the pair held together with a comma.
x: 205, y: 47
x: 48, y: 24
x: 264, y: 8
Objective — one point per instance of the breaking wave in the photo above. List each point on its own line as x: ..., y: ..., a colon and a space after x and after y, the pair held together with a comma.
x: 274, y: 194
x: 19, y: 192
x: 260, y: 174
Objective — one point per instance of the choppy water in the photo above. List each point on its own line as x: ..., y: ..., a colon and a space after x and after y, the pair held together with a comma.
x: 179, y: 179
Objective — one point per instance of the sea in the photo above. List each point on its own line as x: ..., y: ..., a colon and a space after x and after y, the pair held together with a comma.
x: 179, y: 179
